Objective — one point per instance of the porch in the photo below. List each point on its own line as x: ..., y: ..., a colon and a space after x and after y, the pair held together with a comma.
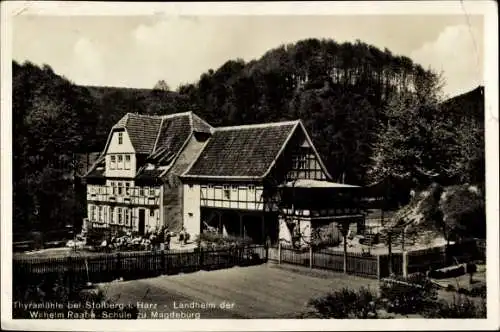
x: 258, y: 226
x: 318, y: 211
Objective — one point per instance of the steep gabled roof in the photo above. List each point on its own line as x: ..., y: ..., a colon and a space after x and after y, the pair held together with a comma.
x: 160, y: 138
x: 243, y: 151
x: 142, y: 130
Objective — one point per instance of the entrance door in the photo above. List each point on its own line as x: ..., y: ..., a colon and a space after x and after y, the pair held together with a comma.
x: 142, y: 221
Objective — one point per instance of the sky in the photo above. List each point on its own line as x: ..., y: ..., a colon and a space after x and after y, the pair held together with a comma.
x: 138, y: 51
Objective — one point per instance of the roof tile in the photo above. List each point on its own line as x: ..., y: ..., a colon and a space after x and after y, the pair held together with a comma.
x: 243, y: 151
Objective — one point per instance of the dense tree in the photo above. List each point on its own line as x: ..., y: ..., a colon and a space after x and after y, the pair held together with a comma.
x: 370, y: 113
x: 53, y: 120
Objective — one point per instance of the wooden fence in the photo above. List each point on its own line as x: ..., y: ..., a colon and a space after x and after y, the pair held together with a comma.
x: 439, y: 257
x: 377, y: 266
x: 363, y: 265
x: 133, y: 265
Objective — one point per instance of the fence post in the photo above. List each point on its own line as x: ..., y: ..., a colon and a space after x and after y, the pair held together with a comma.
x: 310, y: 256
x: 70, y: 273
x: 405, y: 264
x: 279, y: 252
x: 163, y: 268
x: 389, y: 244
x: 118, y: 265
x: 378, y: 267
x: 266, y: 247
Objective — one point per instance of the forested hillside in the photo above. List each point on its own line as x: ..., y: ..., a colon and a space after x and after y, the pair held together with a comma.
x: 370, y: 113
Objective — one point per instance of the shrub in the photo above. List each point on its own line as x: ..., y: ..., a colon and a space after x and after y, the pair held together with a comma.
x: 345, y: 303
x: 478, y: 291
x: 211, y: 239
x: 461, y: 307
x: 408, y: 295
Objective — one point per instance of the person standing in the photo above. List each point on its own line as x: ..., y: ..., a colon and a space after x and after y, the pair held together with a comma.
x: 167, y: 239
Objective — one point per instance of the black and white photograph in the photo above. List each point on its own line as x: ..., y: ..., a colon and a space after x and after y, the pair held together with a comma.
x: 223, y: 165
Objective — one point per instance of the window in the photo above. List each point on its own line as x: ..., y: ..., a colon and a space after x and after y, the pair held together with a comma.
x: 141, y: 191
x: 120, y: 188
x: 120, y: 162
x: 152, y: 192
x: 251, y: 187
x: 127, y: 161
x: 301, y: 161
x: 210, y: 186
x: 112, y: 164
x: 234, y: 187
x: 127, y: 188
x: 151, y: 213
x: 114, y: 188
x: 101, y: 214
x: 112, y: 216
x: 127, y: 216
x: 227, y: 193
x: 120, y: 138
x: 226, y: 187
x: 91, y: 212
x: 120, y: 220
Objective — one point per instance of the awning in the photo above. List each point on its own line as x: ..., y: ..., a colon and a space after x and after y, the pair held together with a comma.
x: 308, y: 183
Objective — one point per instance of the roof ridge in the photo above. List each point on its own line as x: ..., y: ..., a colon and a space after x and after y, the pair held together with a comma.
x: 157, y: 136
x: 258, y: 125
x: 173, y: 115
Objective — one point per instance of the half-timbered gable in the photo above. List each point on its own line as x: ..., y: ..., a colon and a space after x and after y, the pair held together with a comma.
x: 135, y: 180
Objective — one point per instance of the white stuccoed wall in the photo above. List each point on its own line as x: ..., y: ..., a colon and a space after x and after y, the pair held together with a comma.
x: 191, y: 210
x: 124, y: 148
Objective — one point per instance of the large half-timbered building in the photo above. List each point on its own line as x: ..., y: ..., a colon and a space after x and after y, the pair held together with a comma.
x: 260, y: 181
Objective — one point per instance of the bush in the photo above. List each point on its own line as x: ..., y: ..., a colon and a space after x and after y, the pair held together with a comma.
x: 408, y: 296
x: 345, y: 303
x: 461, y: 307
x: 478, y: 291
x: 211, y: 239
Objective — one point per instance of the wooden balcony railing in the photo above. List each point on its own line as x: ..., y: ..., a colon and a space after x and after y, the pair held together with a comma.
x: 129, y: 196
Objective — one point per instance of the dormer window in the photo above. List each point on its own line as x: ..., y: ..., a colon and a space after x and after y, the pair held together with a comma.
x: 112, y: 164
x: 120, y: 138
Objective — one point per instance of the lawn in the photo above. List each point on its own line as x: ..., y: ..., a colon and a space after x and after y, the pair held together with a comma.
x: 264, y: 291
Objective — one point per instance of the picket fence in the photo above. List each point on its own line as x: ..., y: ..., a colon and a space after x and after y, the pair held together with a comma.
x: 377, y: 266
x: 363, y: 265
x: 134, y: 265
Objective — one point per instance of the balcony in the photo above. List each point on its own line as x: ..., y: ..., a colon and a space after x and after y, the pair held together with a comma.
x: 123, y: 195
